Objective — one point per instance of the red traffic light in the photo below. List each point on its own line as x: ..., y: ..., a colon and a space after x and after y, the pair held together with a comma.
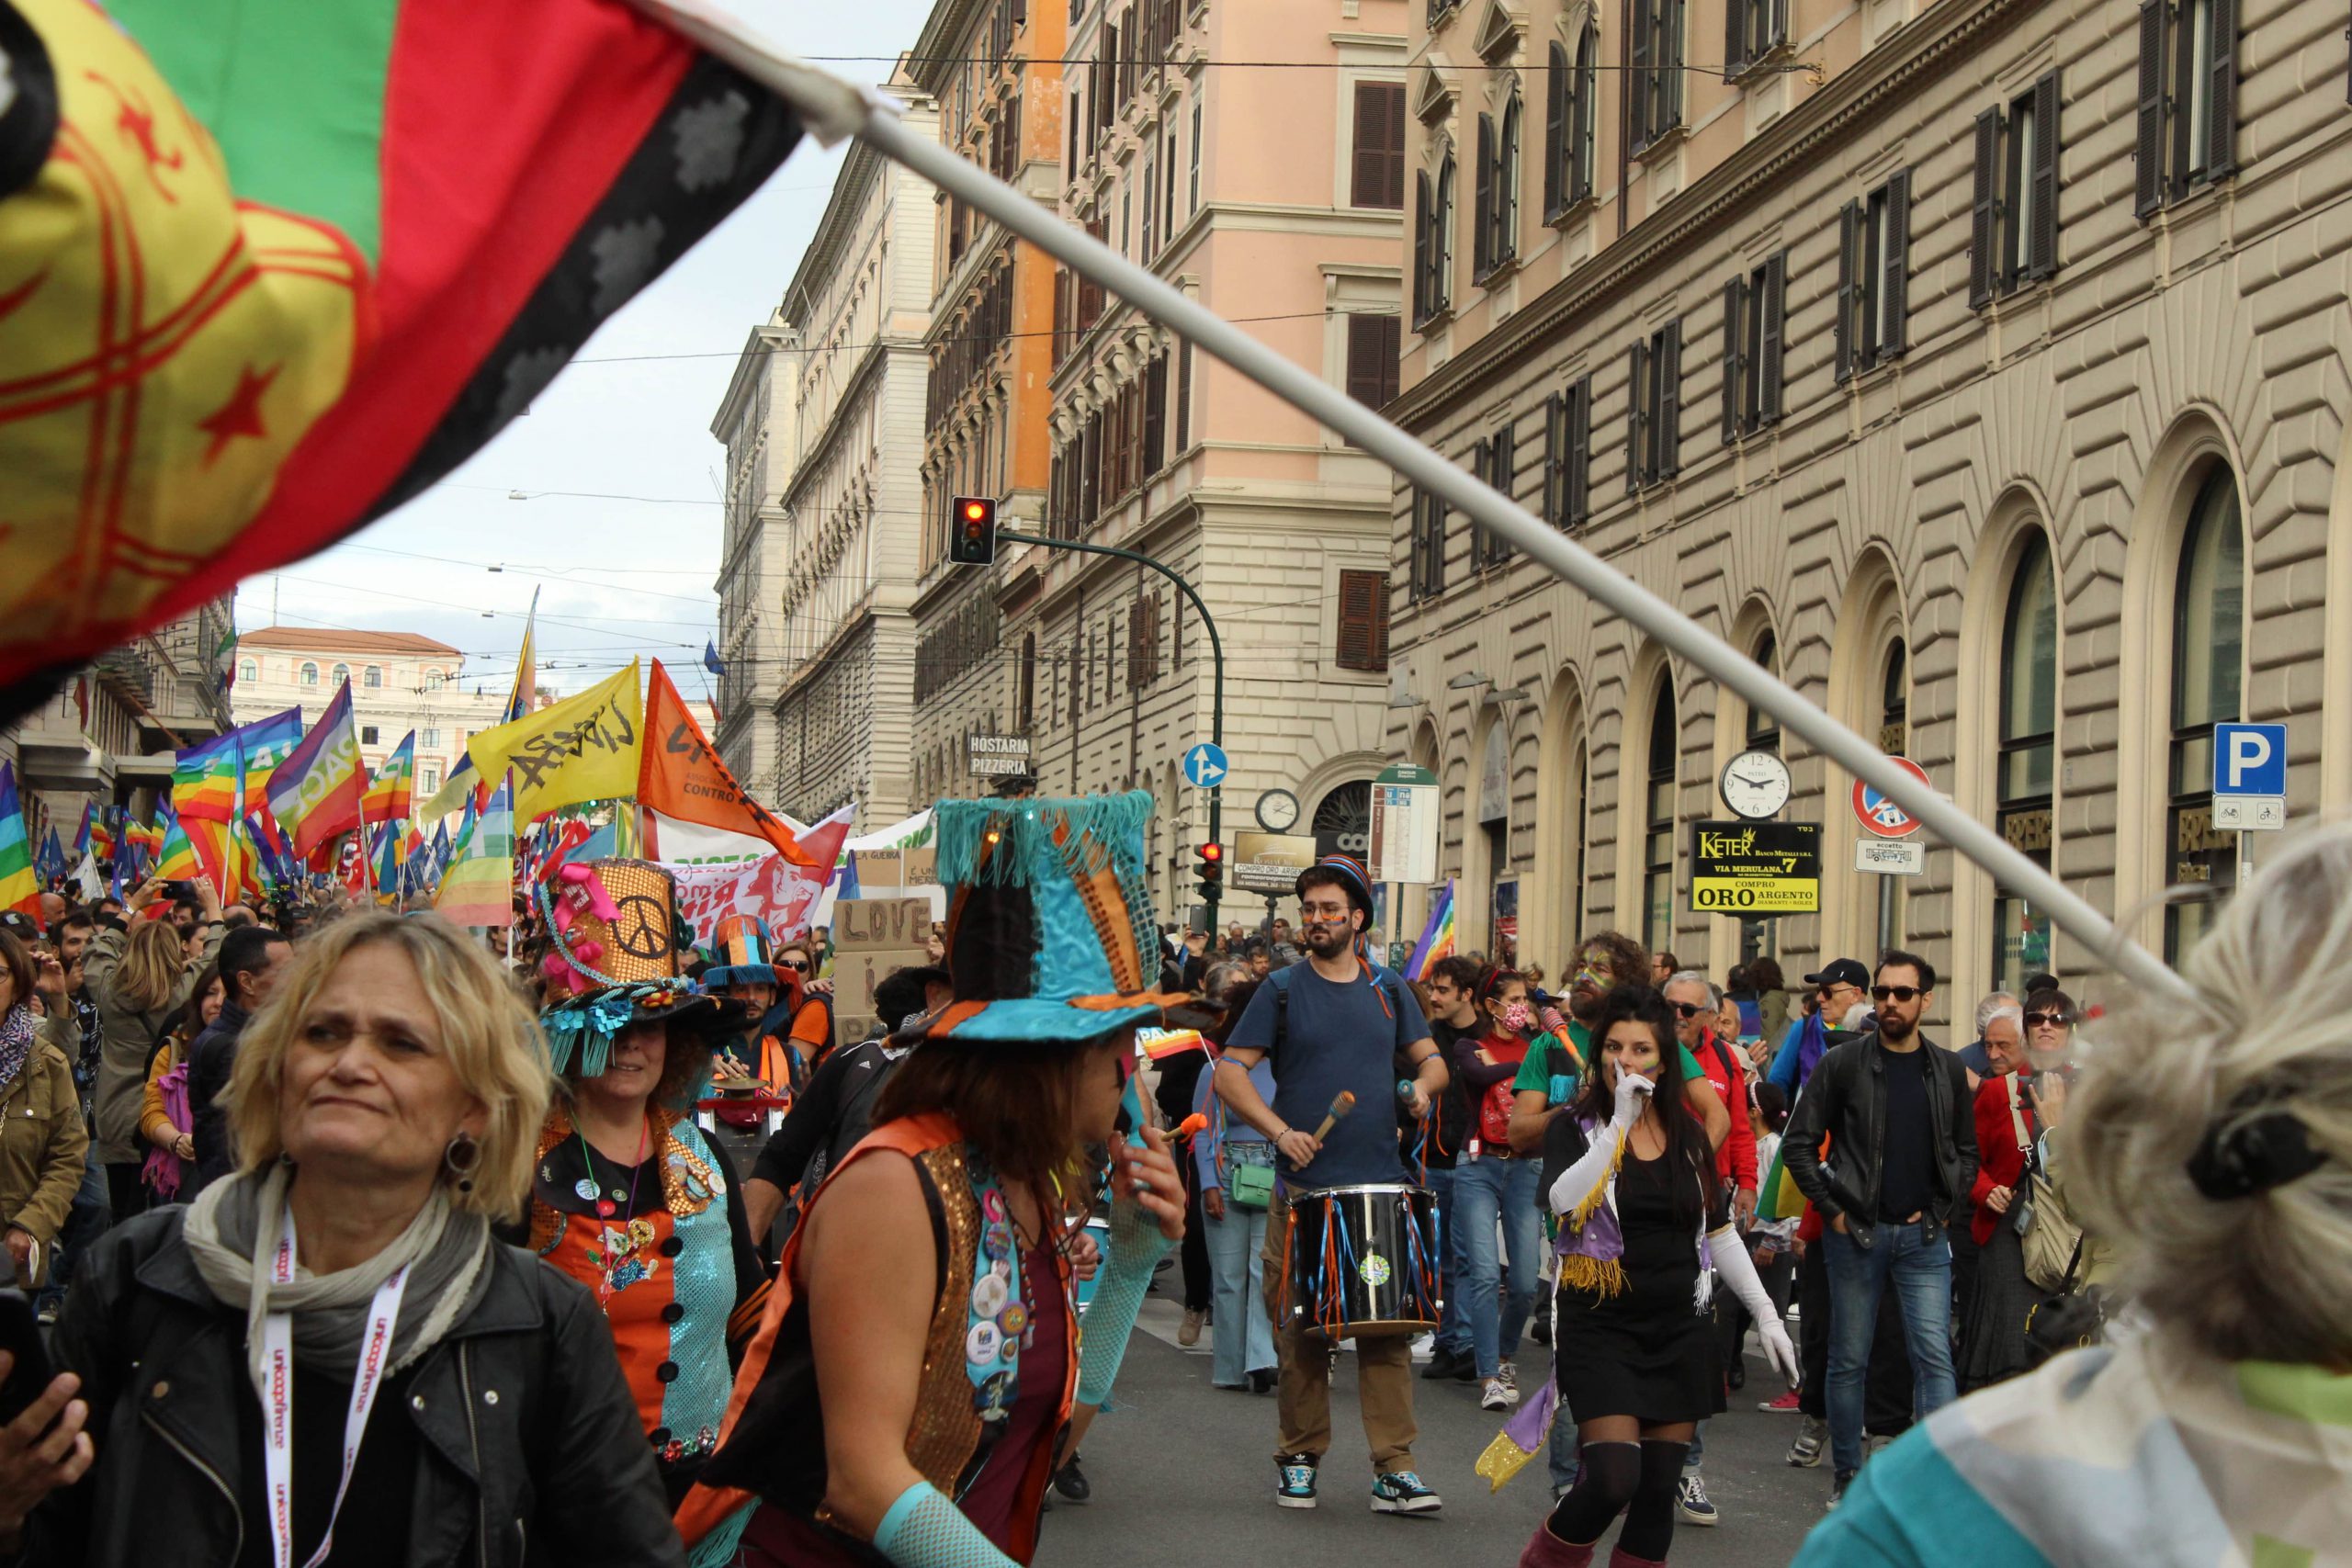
x: 973, y: 539
x: 1211, y: 854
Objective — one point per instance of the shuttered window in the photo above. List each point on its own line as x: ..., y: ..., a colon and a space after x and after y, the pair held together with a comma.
x: 1874, y: 276
x: 1653, y: 425
x: 1752, y: 30
x: 1363, y: 621
x: 2187, y: 111
x: 1426, y: 546
x: 1155, y: 417
x: 1567, y: 499
x: 2013, y: 215
x: 1184, y: 399
x: 1482, y: 203
x: 1555, y: 131
x: 1378, y: 168
x: 1655, y: 75
x: 1755, y: 311
x: 1374, y: 343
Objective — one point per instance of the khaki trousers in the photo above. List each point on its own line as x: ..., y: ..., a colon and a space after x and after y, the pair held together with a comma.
x: 1384, y: 1371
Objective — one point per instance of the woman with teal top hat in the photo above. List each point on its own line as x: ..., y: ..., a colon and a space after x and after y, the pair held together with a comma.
x: 628, y: 1196
x: 917, y: 1361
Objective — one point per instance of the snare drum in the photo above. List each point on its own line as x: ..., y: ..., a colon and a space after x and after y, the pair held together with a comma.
x: 1363, y: 1260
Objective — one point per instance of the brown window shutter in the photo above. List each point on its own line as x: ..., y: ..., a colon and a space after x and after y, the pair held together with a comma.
x: 1421, y: 216
x: 1483, y: 202
x: 1849, y: 222
x: 1733, y: 292
x: 1984, y: 210
x: 1775, y: 307
x: 1556, y: 121
x: 1578, y: 507
x: 1363, y: 597
x: 2148, y: 180
x: 2041, y: 245
x: 1636, y: 416
x: 1897, y: 254
x: 2221, y: 124
x: 1670, y: 402
x: 1155, y: 416
x: 1184, y: 399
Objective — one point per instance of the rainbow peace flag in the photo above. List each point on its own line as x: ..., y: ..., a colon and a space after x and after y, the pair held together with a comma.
x: 315, y: 793
x: 19, y: 886
x: 388, y: 792
x: 478, y: 888
x: 1437, y: 937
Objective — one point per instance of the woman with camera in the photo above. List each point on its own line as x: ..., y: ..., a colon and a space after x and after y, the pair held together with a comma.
x: 327, y: 1348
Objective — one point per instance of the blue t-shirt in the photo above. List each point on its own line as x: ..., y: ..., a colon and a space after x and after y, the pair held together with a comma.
x: 1336, y: 1037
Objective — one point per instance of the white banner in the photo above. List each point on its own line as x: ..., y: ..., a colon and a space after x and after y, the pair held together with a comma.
x: 782, y: 895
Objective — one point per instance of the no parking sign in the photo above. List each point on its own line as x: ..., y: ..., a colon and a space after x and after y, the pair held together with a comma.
x: 1877, y: 811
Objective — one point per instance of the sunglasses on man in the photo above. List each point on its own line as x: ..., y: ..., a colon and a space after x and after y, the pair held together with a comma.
x: 1690, y: 1009
x: 1895, y: 993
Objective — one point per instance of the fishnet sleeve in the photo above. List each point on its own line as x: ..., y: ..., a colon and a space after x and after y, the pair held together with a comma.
x: 923, y: 1529
x: 1136, y: 1245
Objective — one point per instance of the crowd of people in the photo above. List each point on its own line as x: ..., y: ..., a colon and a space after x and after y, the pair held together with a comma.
x: 606, y: 1248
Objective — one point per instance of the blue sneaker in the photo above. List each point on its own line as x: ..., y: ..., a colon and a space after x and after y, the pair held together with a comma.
x: 1401, y: 1492
x: 1297, y: 1487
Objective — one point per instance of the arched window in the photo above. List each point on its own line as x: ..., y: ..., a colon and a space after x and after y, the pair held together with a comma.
x: 433, y: 680
x: 2208, y: 644
x: 1893, y: 733
x: 309, y: 674
x: 373, y: 677
x: 248, y: 670
x: 342, y: 673
x: 1657, y: 838
x: 1763, y: 728
x: 2028, y: 754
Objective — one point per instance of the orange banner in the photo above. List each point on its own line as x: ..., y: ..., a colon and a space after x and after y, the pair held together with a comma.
x: 680, y: 776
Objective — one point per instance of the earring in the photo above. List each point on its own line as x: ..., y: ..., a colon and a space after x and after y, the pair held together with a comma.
x: 462, y: 1156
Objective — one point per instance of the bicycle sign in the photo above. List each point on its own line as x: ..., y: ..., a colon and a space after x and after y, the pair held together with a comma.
x: 1879, y: 813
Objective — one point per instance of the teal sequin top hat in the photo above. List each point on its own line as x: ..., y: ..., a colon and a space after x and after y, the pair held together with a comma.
x: 1050, y: 934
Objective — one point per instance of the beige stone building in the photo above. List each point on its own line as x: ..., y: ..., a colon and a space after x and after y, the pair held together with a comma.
x: 1980, y: 364
x: 400, y: 682
x: 106, y: 736
x: 826, y: 407
x: 1207, y: 177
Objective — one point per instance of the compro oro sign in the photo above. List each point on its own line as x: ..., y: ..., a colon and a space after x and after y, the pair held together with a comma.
x: 997, y: 756
x: 1756, y: 868
x: 1270, y: 862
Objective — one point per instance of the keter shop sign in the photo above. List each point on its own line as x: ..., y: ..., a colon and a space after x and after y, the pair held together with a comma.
x: 1756, y: 868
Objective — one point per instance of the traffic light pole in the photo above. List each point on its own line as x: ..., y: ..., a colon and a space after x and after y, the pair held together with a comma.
x: 1209, y: 890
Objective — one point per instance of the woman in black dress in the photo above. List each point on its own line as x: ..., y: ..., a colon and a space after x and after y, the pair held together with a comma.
x: 1644, y: 1232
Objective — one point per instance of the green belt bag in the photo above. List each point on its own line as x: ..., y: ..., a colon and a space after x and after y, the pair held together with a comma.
x: 1250, y: 1178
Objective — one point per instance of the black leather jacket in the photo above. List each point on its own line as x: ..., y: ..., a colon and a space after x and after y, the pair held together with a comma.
x: 537, y: 1453
x: 1845, y: 1098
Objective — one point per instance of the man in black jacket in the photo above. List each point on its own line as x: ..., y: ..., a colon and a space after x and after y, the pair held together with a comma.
x: 1902, y: 1148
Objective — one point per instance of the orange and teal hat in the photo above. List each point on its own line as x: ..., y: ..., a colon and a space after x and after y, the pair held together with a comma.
x: 1050, y: 933
x: 740, y: 954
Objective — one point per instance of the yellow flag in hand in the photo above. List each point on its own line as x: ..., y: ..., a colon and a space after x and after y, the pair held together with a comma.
x: 584, y: 748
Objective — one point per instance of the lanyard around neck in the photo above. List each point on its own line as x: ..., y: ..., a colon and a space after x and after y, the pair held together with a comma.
x: 278, y: 1400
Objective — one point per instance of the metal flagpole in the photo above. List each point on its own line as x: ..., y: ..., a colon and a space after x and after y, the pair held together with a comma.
x: 1423, y: 468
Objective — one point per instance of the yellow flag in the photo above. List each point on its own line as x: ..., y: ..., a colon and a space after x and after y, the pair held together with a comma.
x: 584, y: 748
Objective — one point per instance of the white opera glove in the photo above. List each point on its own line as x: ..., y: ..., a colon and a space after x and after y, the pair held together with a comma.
x: 1632, y: 1091
x: 1738, y: 1271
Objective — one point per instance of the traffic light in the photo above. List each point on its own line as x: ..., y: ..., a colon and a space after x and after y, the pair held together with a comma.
x: 1212, y: 868
x: 974, y: 540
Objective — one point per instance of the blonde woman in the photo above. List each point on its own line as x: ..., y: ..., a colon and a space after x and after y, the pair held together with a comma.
x: 385, y: 1104
x: 140, y: 972
x: 2208, y: 1149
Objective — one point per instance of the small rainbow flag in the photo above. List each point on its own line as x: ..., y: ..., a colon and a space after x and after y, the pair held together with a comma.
x: 19, y: 886
x: 1161, y: 1044
x: 1437, y: 937
x: 478, y: 888
x: 388, y: 792
x: 315, y: 793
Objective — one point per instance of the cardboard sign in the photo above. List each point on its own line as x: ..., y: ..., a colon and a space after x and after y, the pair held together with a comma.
x: 871, y: 938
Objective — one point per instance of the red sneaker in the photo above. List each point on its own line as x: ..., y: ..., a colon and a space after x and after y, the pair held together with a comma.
x: 1786, y: 1405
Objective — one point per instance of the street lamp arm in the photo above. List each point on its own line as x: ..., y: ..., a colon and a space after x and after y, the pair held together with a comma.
x: 1216, y: 667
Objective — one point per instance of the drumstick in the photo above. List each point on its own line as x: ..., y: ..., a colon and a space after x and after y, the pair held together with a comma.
x: 1340, y: 1106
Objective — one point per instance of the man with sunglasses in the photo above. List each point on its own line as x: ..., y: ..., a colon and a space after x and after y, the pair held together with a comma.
x: 1902, y: 1149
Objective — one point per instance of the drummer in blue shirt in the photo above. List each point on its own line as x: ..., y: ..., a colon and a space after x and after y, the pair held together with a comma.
x: 1332, y: 1022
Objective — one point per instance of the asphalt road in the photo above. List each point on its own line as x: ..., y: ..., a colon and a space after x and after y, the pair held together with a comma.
x: 1183, y: 1472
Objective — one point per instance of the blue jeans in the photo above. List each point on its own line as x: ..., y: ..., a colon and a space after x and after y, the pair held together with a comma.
x: 1245, y: 1339
x: 1453, y: 1323
x: 1916, y: 1260
x: 1484, y: 1192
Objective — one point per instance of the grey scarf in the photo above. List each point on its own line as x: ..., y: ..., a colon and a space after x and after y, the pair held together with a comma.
x: 235, y: 1223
